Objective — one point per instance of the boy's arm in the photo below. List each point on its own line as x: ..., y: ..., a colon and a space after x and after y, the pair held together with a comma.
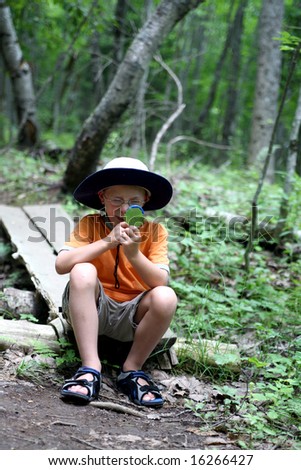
x: 67, y: 259
x: 148, y: 268
x: 151, y: 273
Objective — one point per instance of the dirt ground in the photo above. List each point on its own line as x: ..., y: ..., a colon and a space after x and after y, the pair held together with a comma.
x: 32, y: 416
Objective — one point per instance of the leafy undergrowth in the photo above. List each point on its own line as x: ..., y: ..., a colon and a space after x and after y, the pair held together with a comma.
x: 259, y: 310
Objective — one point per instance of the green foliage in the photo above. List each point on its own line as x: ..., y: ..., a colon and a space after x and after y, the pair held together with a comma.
x: 29, y: 178
x: 68, y: 356
x: 289, y: 42
x: 43, y: 359
x: 219, y: 300
x: 5, y: 250
x: 29, y: 317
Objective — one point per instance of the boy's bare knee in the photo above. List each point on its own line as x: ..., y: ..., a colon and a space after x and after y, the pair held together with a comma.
x: 83, y: 275
x: 164, y: 298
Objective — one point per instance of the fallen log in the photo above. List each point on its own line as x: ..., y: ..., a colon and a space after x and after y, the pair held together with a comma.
x: 229, y: 218
x: 27, y: 336
x: 212, y: 353
x: 17, y: 302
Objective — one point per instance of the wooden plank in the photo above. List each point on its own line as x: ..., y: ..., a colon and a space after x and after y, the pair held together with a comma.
x: 52, y: 221
x: 36, y: 254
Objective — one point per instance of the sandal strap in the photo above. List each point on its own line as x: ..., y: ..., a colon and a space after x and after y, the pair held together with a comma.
x: 128, y: 383
x: 87, y: 370
x: 92, y: 386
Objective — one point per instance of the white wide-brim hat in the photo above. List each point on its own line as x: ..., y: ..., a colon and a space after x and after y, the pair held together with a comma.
x: 124, y: 171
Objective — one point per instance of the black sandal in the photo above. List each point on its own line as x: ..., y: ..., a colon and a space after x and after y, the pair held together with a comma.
x: 92, y: 386
x: 127, y: 382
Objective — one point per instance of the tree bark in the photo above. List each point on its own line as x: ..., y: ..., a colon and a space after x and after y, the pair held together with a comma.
x: 97, y: 67
x: 2, y: 100
x: 216, y: 79
x: 21, y: 79
x: 233, y: 83
x: 267, y: 82
x: 122, y: 90
x: 137, y: 141
x: 119, y: 31
x: 17, y: 302
x: 290, y: 170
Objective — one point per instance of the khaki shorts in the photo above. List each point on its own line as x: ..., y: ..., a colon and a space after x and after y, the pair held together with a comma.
x: 116, y: 319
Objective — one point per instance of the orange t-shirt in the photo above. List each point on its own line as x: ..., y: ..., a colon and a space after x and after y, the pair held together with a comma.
x: 92, y: 228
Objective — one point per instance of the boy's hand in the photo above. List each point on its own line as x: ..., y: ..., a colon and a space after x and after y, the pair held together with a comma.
x: 131, y: 238
x: 127, y: 236
x: 116, y: 236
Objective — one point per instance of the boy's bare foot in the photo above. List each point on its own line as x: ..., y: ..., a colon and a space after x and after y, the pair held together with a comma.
x: 83, y: 387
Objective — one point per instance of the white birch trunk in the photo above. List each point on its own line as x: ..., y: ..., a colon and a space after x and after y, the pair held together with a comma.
x: 21, y: 79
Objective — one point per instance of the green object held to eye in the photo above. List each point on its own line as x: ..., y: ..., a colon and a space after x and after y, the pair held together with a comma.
x: 134, y: 216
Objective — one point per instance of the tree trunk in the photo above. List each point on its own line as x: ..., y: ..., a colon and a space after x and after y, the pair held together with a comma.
x: 137, y: 141
x: 298, y: 164
x: 97, y: 67
x: 233, y: 83
x: 290, y: 169
x: 61, y: 86
x: 2, y: 100
x: 119, y: 31
x: 267, y: 82
x: 198, y: 43
x: 216, y: 79
x: 21, y: 79
x: 122, y: 90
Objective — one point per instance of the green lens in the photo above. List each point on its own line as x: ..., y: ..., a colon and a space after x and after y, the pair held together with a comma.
x: 134, y: 216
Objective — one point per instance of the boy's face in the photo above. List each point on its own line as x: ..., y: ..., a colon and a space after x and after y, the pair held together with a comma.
x: 117, y: 200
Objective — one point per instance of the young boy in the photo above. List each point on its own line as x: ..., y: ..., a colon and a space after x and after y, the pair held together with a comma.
x: 118, y: 279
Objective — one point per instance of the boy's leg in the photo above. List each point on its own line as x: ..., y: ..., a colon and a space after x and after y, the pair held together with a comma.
x: 84, y: 291
x: 153, y: 317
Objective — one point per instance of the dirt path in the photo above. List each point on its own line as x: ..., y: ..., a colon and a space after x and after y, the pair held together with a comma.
x: 32, y: 416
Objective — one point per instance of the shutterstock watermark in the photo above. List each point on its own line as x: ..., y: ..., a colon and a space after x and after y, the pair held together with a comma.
x: 193, y: 224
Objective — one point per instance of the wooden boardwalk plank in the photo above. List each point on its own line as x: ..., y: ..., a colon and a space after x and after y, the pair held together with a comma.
x: 53, y: 222
x: 36, y: 254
